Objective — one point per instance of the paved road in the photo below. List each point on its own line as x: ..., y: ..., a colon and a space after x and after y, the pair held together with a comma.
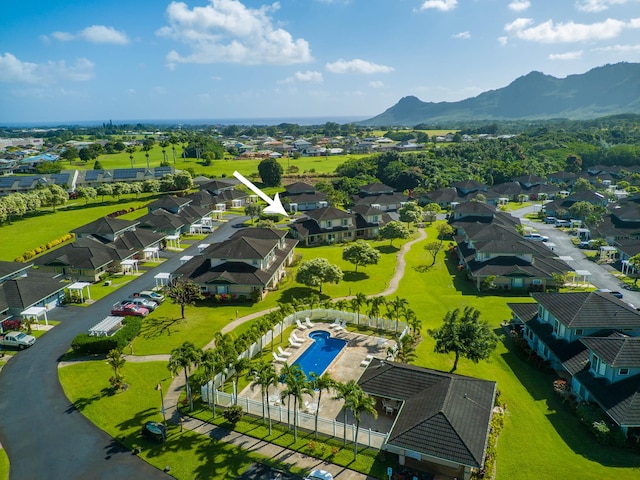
x: 43, y: 435
x: 601, y: 275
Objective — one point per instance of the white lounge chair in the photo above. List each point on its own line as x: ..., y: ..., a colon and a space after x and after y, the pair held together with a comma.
x: 293, y: 343
x: 308, y: 323
x: 295, y: 338
x: 300, y: 325
x: 336, y: 323
x: 278, y: 358
x: 283, y: 353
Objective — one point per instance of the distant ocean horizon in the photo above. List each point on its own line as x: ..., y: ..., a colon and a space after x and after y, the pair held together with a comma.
x: 303, y: 121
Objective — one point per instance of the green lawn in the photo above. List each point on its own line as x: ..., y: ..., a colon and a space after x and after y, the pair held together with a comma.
x: 31, y: 232
x: 4, y: 465
x: 190, y: 455
x: 164, y: 330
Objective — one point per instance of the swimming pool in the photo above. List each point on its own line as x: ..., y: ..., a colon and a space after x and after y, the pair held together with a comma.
x: 319, y: 355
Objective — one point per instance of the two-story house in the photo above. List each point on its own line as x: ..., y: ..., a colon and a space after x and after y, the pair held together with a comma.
x: 250, y: 263
x: 489, y: 246
x: 324, y: 225
x: 594, y: 338
x: 302, y: 197
x: 379, y: 196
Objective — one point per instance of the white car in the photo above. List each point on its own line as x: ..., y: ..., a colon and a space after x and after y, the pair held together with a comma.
x: 536, y: 237
x: 319, y: 475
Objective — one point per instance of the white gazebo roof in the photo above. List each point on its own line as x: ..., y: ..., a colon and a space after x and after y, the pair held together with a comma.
x: 151, y: 249
x: 132, y: 261
x: 78, y: 285
x: 106, y: 326
x: 186, y: 258
x: 163, y: 276
x: 583, y: 273
x: 34, y: 311
x: 173, y: 237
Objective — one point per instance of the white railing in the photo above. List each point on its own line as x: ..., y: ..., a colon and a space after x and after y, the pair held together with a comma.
x: 279, y: 414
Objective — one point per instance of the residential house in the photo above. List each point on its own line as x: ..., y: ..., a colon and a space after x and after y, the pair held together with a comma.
x: 563, y: 178
x: 226, y: 194
x: 594, y: 338
x: 324, y: 225
x: 560, y: 206
x: 442, y: 419
x: 302, y: 197
x: 379, y: 196
x: 250, y: 263
x: 489, y: 247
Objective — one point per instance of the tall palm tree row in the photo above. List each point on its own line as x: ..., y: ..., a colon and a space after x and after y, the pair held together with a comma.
x: 184, y: 358
x: 263, y: 374
x: 320, y: 383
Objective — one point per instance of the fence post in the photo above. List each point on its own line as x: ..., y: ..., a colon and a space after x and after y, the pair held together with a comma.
x: 334, y: 427
x: 369, y: 436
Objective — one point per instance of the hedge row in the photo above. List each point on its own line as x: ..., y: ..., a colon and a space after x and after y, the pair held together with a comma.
x: 118, y: 213
x: 85, y: 344
x: 43, y: 248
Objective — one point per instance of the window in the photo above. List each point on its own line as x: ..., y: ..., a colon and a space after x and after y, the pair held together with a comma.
x: 345, y: 222
x: 598, y: 366
x: 254, y: 262
x: 536, y: 281
x: 329, y: 224
x: 623, y: 371
x: 556, y: 326
x: 579, y: 331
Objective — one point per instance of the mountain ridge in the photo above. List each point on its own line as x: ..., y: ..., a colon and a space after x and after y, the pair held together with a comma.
x: 606, y: 90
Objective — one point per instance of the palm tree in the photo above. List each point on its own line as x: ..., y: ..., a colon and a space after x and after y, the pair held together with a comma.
x: 395, y: 308
x: 211, y: 364
x: 361, y: 403
x: 286, y: 309
x: 164, y: 144
x: 183, y: 358
x: 318, y: 384
x: 344, y: 391
x: 375, y: 303
x: 173, y: 140
x: 340, y: 304
x: 116, y: 360
x: 357, y: 303
x: 240, y: 365
x: 286, y: 372
x: 413, y: 321
x: 264, y: 374
x: 131, y: 150
x: 297, y: 386
x: 405, y: 350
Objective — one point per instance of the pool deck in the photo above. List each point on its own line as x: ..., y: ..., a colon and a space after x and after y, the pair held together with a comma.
x: 346, y: 366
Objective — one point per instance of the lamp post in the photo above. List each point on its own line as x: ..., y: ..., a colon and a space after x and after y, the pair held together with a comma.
x: 164, y: 418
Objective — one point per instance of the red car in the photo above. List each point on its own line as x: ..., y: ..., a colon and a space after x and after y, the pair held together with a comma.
x: 129, y: 310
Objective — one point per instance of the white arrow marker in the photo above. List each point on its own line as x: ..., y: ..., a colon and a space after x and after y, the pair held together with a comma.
x: 274, y: 206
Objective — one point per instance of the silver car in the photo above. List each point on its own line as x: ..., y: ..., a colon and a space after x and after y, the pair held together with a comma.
x: 141, y: 302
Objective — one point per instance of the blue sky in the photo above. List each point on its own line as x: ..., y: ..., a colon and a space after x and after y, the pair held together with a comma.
x: 152, y: 59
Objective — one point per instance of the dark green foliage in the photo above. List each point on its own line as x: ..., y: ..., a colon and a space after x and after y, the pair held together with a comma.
x: 233, y: 414
x: 87, y: 345
x: 270, y: 172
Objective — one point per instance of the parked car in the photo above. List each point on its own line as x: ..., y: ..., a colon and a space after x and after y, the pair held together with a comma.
x: 19, y: 340
x: 563, y: 223
x: 536, y: 237
x: 586, y: 244
x: 141, y: 302
x: 151, y: 295
x: 614, y: 293
x: 319, y: 475
x: 550, y: 220
x: 129, y: 309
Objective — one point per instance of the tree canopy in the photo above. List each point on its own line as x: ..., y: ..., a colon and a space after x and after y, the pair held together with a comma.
x: 317, y: 272
x: 270, y: 172
x: 393, y: 230
x: 183, y: 293
x: 360, y: 253
x: 465, y: 335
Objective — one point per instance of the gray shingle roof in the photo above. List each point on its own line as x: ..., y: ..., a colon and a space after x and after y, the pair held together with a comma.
x: 105, y: 225
x: 617, y: 350
x: 241, y: 248
x: 589, y: 310
x: 443, y: 414
x: 620, y: 400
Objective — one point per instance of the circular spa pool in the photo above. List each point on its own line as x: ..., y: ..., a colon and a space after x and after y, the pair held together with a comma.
x: 319, y: 355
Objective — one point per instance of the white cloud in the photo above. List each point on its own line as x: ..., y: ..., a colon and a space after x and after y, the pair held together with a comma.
x: 442, y: 5
x: 376, y: 84
x: 357, y: 65
x: 93, y: 34
x: 575, y: 55
x: 228, y: 31
x: 102, y: 34
x: 13, y: 70
x: 519, y: 5
x: 503, y: 40
x: 619, y: 48
x: 593, y: 6
x: 548, y: 32
x: 462, y: 35
x: 304, y: 77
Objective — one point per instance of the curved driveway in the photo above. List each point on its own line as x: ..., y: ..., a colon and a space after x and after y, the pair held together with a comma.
x: 42, y: 433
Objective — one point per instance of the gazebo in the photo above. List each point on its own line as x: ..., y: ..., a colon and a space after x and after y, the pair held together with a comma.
x: 173, y: 241
x: 162, y: 279
x: 77, y: 289
x: 581, y: 273
x: 129, y: 266
x: 608, y: 252
x: 203, y: 246
x: 152, y: 253
x: 185, y: 258
x: 220, y: 207
x: 236, y: 203
x: 34, y: 313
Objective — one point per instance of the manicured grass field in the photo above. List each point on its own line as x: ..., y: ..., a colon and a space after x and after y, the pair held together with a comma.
x: 190, y: 455
x: 31, y: 232
x: 4, y: 465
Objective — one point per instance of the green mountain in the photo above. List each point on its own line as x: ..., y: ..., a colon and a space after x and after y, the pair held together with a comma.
x: 606, y: 90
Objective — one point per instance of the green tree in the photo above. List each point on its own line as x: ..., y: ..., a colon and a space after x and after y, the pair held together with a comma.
x: 131, y: 150
x: 120, y: 188
x: 211, y: 364
x: 183, y: 358
x: 69, y: 154
x: 357, y: 302
x: 434, y: 248
x: 375, y: 307
x: 270, y: 172
x: 445, y: 231
x: 264, y: 375
x: 239, y: 365
x: 345, y: 391
x: 393, y: 230
x: 317, y: 272
x: 410, y: 213
x: 360, y: 253
x: 297, y: 386
x: 252, y: 210
x: 359, y: 403
x: 59, y: 196
x: 395, y: 307
x: 151, y: 186
x: 465, y: 335
x: 635, y: 263
x: 116, y: 361
x: 88, y: 193
x: 104, y: 189
x: 183, y: 293
x: 582, y: 185
x: 182, y: 180
x: 320, y: 383
x: 431, y: 211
